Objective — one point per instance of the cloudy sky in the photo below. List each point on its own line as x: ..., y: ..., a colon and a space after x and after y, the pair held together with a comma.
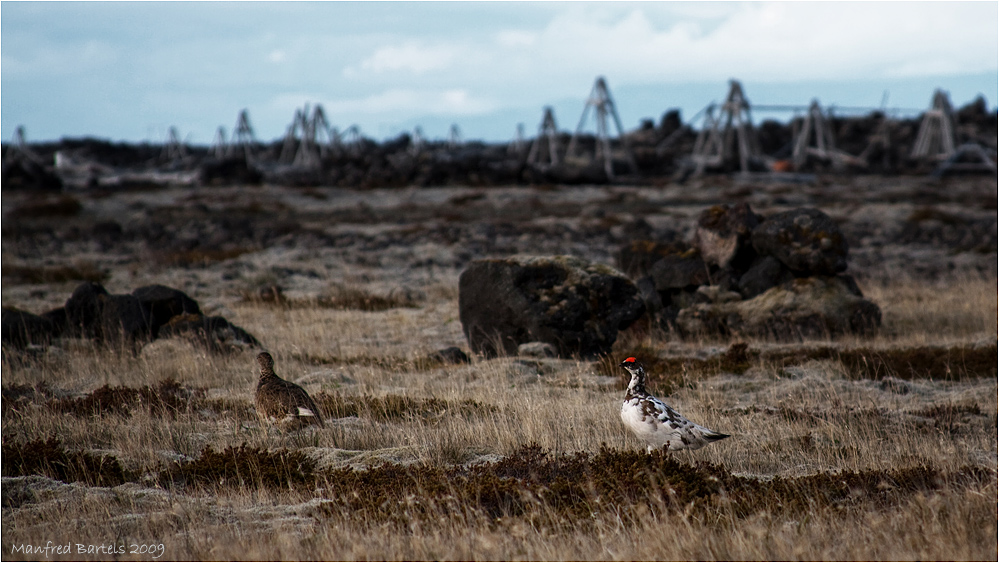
x: 127, y: 71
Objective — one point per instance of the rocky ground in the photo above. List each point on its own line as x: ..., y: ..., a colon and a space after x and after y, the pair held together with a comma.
x: 840, y: 448
x: 217, y: 244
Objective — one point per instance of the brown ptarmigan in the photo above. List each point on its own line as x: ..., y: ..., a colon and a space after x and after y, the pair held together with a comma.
x: 655, y: 422
x: 282, y: 402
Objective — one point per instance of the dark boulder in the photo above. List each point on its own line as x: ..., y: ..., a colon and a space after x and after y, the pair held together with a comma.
x: 764, y: 273
x: 162, y: 303
x: 83, y: 308
x: 680, y: 271
x: 122, y: 321
x: 21, y: 328
x: 575, y: 306
x: 647, y: 290
x: 91, y: 312
x: 806, y: 240
x: 636, y: 257
x: 723, y: 235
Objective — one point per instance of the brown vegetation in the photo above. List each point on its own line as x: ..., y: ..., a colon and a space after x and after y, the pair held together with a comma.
x: 860, y: 448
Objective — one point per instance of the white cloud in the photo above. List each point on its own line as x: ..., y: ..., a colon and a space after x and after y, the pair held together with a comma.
x: 758, y: 41
x: 776, y: 41
x: 277, y: 56
x: 669, y: 43
x: 409, y: 57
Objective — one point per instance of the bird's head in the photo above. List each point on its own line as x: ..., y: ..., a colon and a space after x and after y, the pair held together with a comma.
x: 637, y: 371
x: 631, y: 364
x: 266, y: 363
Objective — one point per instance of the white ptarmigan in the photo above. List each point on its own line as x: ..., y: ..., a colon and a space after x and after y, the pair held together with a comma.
x: 282, y: 402
x: 655, y: 422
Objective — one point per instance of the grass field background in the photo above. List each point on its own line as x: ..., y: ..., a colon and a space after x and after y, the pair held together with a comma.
x: 875, y: 448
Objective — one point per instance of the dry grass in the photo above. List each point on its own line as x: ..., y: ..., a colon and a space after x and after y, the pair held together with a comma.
x: 883, y: 448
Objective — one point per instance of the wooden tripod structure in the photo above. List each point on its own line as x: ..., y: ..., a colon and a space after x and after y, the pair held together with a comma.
x: 242, y: 137
x: 219, y: 143
x: 173, y: 149
x: 816, y: 138
x: 348, y: 139
x: 416, y: 141
x: 879, y: 140
x: 935, y: 140
x: 308, y: 138
x: 454, y: 137
x: 603, y: 107
x: 728, y: 136
x: 516, y: 146
x: 19, y: 150
x: 547, y: 134
x: 288, y: 149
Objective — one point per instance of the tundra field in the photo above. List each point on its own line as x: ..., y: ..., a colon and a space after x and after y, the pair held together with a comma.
x: 857, y: 447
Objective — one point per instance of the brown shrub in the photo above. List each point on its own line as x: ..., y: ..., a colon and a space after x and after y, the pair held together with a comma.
x: 932, y: 362
x: 63, y: 206
x: 242, y: 466
x: 168, y: 397
x: 48, y: 457
x: 82, y: 271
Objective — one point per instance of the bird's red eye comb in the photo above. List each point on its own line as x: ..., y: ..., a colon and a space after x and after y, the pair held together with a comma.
x: 630, y: 360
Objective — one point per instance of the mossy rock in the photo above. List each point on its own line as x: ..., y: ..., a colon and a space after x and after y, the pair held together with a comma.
x: 576, y: 306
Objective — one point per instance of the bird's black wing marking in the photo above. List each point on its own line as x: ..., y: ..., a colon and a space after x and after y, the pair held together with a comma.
x: 665, y: 414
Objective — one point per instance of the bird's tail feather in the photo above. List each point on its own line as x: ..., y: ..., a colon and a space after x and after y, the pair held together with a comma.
x: 713, y: 436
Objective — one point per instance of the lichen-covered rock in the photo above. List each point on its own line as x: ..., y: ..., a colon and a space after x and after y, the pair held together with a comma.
x: 805, y: 240
x: 723, y: 234
x: 574, y: 305
x: 801, y: 308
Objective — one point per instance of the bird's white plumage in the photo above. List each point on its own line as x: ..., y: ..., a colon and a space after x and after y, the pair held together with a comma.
x: 655, y: 422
